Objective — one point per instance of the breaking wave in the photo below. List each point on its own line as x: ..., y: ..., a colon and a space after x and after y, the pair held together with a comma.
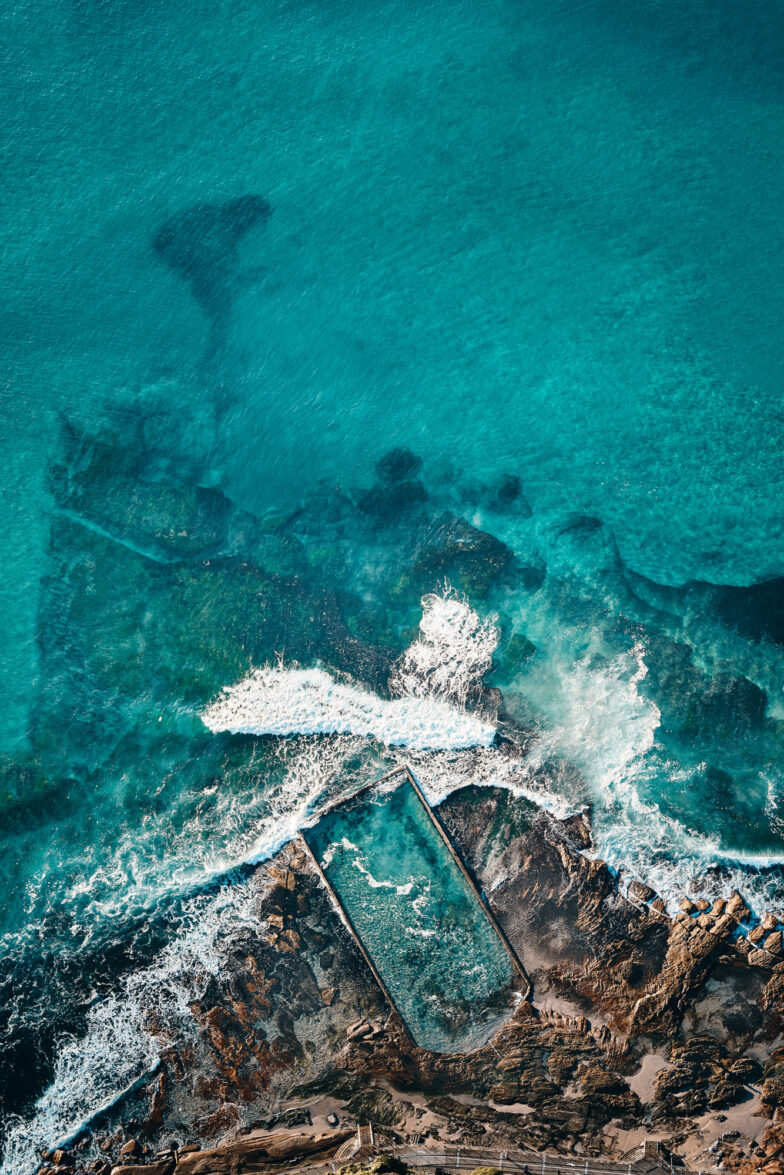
x: 453, y: 653
x: 283, y: 702
x: 94, y: 1071
x: 127, y: 1032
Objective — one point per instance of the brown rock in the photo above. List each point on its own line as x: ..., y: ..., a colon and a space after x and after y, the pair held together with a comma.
x: 289, y: 940
x: 328, y: 995
x: 726, y: 1093
x: 745, y: 1069
x: 756, y: 934
x: 641, y: 892
x: 131, y: 1148
x: 773, y: 944
x: 737, y: 907
x: 773, y: 1091
x: 164, y: 1167
x: 358, y: 1029
x: 284, y: 878
x: 724, y: 925
x: 256, y: 1153
x: 770, y: 922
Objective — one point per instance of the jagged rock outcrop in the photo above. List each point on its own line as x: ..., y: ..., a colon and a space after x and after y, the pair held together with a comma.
x: 296, y: 1012
x: 258, y: 1152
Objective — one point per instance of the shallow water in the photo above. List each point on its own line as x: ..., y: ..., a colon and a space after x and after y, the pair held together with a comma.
x: 247, y: 251
x: 429, y: 938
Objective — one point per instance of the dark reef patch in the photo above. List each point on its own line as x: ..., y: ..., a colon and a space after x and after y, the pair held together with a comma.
x: 388, y: 502
x: 453, y: 547
x: 756, y: 611
x: 200, y: 246
x: 398, y: 465
x: 580, y: 525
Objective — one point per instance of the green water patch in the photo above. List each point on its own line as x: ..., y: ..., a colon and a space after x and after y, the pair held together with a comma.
x: 428, y: 935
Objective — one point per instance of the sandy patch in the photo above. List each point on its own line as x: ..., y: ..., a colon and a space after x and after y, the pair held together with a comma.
x: 643, y: 1081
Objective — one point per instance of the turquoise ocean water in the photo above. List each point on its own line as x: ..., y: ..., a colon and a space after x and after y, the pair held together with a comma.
x: 250, y: 248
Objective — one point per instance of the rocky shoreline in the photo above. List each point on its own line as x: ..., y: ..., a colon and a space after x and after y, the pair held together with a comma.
x: 641, y: 1026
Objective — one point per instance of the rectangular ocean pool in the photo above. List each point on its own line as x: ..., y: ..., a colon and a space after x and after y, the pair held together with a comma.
x: 429, y: 936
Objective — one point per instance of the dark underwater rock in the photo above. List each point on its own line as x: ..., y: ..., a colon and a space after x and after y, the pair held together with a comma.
x: 756, y: 611
x: 517, y: 651
x: 106, y: 484
x: 580, y: 525
x: 509, y: 496
x: 734, y: 701
x: 531, y: 576
x: 691, y: 702
x: 368, y: 662
x: 398, y: 465
x: 200, y: 245
x: 454, y: 548
x: 503, y: 494
x: 181, y: 520
x: 389, y: 501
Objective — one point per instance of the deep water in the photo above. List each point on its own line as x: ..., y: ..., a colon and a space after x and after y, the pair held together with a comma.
x: 248, y: 251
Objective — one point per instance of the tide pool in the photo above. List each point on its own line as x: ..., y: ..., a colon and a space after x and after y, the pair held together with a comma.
x: 429, y: 937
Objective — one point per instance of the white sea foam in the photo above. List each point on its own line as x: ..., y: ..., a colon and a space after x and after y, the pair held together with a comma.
x: 93, y: 1071
x: 595, y: 717
x: 283, y: 702
x: 329, y: 853
x: 452, y: 654
x: 374, y: 883
x: 431, y: 683
x: 592, y: 716
x: 313, y: 769
x: 442, y: 773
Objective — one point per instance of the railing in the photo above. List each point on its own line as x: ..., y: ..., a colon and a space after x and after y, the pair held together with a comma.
x: 530, y: 1163
x: 457, y: 1158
